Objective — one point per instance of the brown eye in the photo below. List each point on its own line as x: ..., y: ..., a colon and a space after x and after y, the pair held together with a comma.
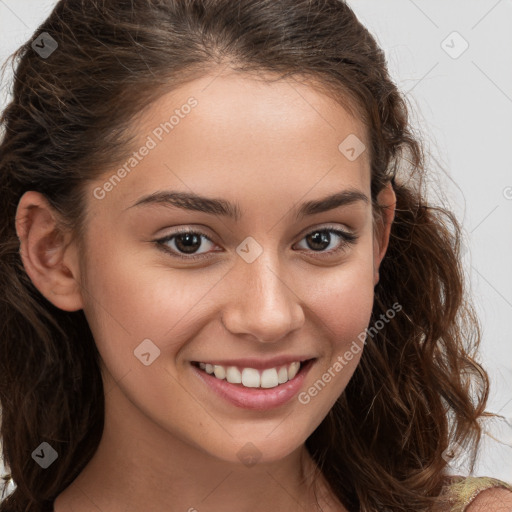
x: 320, y: 239
x: 186, y: 244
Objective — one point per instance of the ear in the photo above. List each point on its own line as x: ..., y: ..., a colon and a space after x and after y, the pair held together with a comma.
x: 387, y: 200
x: 50, y: 260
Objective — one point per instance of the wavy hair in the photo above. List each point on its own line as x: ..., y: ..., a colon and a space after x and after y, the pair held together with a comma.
x: 381, y: 446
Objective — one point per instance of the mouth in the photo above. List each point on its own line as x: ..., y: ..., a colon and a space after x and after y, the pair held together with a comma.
x: 253, y: 388
x: 251, y: 377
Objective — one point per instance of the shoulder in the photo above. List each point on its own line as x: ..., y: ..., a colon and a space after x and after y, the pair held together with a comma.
x: 495, y: 499
x: 480, y: 494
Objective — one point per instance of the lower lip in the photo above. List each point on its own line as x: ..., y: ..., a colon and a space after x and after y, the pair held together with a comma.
x: 256, y: 398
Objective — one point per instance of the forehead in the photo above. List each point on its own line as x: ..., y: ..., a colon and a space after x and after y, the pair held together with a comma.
x: 245, y: 136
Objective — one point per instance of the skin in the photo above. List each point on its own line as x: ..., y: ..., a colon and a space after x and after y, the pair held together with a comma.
x: 169, y: 442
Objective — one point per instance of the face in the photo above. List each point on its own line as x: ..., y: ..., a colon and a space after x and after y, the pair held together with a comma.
x: 268, y: 274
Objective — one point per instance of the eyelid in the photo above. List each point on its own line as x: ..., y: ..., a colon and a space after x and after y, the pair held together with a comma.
x: 348, y: 238
x: 160, y: 242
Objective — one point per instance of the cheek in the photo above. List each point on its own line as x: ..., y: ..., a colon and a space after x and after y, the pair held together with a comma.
x: 342, y: 307
x: 343, y: 301
x: 129, y: 300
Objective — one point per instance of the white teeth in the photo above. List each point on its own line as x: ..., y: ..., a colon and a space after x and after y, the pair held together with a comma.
x: 233, y: 375
x: 293, y: 369
x: 252, y: 378
x: 269, y: 378
x: 282, y: 375
x: 219, y: 371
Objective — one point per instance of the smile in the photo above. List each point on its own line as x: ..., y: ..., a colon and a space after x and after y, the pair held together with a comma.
x: 251, y: 377
x: 251, y: 388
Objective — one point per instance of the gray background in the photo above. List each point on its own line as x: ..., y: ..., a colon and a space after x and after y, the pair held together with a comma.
x: 462, y: 107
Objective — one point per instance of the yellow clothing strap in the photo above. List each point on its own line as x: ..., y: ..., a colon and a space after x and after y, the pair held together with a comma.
x: 465, y: 489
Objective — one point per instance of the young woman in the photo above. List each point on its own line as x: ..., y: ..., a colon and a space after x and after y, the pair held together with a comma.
x: 222, y: 288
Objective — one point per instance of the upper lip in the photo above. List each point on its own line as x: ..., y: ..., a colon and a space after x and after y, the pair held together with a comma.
x: 258, y: 364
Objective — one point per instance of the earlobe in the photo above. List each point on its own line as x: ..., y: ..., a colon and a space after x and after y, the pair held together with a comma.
x: 50, y: 260
x: 387, y: 200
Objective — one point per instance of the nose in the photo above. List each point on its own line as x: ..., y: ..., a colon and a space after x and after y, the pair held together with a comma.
x: 261, y: 303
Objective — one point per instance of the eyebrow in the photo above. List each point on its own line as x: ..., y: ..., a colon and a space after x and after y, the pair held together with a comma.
x: 221, y: 207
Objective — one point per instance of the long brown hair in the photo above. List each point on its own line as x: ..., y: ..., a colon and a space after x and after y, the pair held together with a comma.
x: 71, y: 119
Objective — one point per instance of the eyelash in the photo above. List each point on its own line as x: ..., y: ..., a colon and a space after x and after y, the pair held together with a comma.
x: 348, y: 239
